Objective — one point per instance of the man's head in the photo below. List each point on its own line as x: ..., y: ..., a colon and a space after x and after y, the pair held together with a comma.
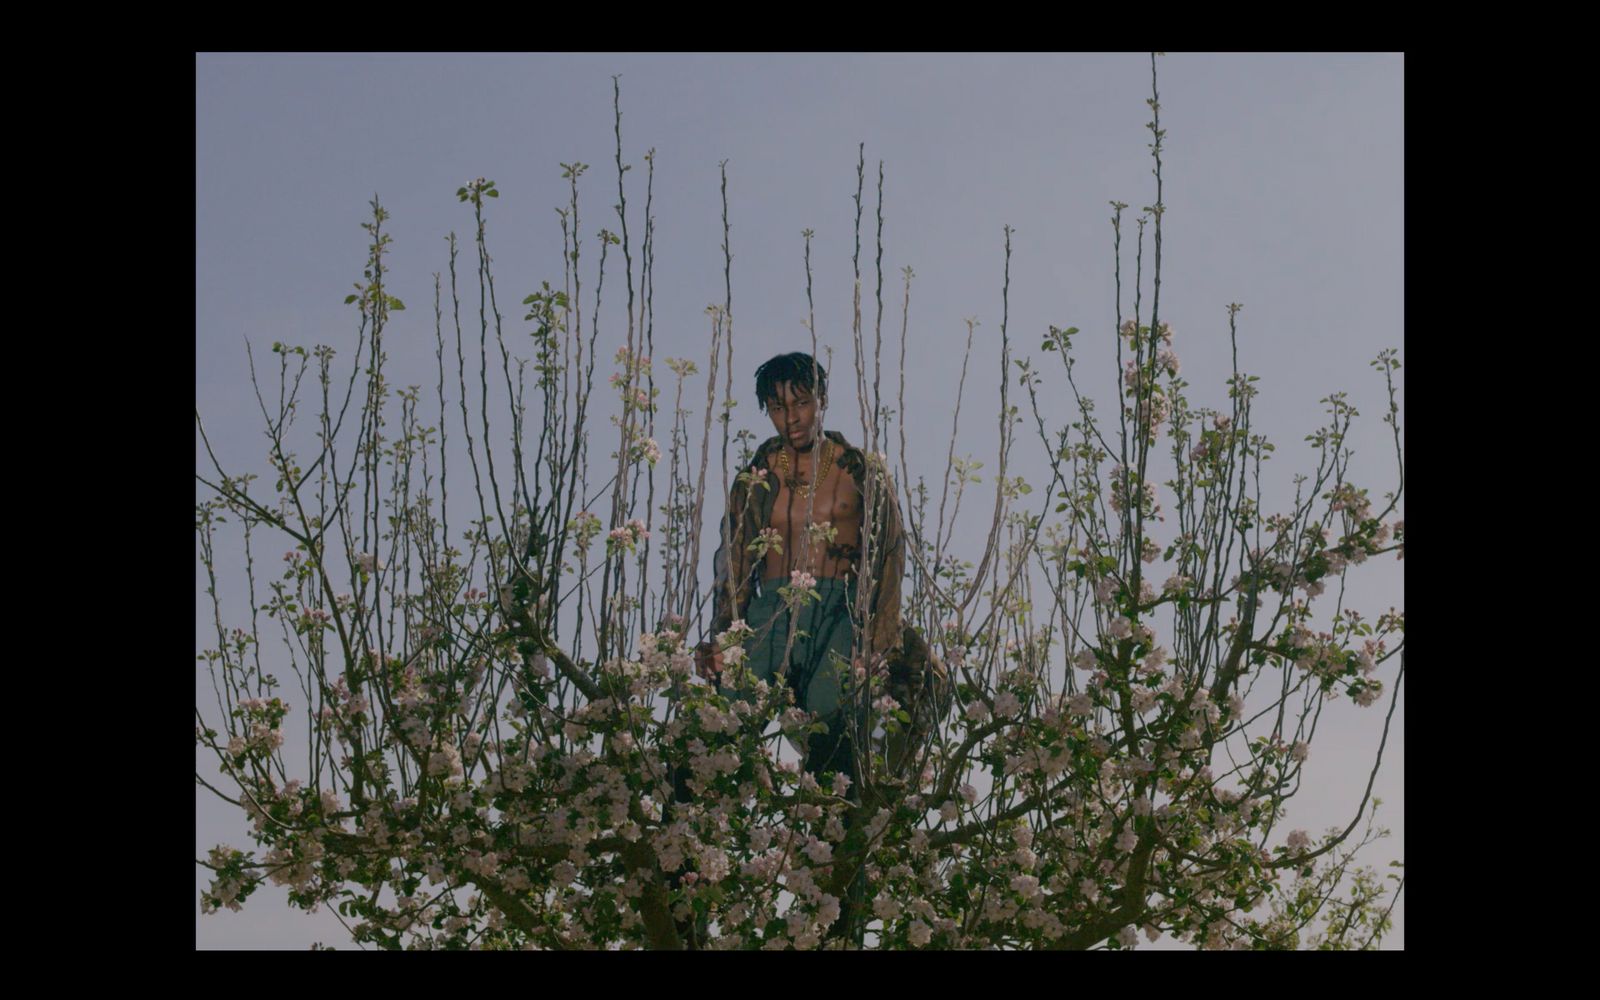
x: 792, y: 389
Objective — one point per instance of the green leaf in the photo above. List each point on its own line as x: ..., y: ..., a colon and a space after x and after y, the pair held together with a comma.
x: 491, y: 192
x: 349, y: 299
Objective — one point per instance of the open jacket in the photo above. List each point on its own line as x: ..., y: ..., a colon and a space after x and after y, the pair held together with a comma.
x: 749, y: 510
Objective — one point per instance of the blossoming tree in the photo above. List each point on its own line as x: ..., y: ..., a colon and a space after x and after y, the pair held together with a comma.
x: 491, y: 706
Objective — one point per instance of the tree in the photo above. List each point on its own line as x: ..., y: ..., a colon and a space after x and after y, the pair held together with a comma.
x: 473, y: 776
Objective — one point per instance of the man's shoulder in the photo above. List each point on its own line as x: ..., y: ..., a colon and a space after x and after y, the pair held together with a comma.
x: 850, y: 452
x: 766, y: 448
x: 855, y: 461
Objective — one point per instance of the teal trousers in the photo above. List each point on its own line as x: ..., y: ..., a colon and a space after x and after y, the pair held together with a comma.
x: 818, y: 664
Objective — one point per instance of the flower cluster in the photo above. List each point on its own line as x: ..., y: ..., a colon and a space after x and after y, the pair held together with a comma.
x: 583, y: 526
x: 1146, y: 493
x: 749, y: 479
x: 800, y: 589
x: 626, y: 537
x: 768, y: 540
x: 647, y: 450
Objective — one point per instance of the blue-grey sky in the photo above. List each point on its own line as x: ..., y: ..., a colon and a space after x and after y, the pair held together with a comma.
x: 1283, y: 187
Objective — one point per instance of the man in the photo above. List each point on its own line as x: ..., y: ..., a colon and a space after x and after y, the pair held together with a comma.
x: 811, y: 511
x: 806, y: 508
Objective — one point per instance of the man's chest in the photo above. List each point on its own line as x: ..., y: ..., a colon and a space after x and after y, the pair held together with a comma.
x: 836, y: 500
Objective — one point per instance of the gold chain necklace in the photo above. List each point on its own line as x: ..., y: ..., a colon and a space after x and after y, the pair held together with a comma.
x: 793, y: 481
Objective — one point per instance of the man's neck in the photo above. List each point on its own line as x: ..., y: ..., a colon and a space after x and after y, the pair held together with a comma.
x: 839, y: 445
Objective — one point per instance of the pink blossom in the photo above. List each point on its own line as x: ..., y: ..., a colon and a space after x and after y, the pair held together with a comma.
x: 819, y: 851
x: 1025, y: 885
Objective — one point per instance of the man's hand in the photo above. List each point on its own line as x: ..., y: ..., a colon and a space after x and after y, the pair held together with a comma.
x: 708, y: 662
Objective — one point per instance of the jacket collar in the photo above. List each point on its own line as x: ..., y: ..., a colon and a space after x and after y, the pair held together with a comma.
x: 775, y: 442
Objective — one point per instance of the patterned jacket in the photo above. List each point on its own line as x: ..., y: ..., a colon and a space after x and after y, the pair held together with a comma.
x: 749, y: 510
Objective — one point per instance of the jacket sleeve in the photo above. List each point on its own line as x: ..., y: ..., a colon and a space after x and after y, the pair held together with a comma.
x: 725, y: 564
x: 733, y: 565
x: 888, y: 566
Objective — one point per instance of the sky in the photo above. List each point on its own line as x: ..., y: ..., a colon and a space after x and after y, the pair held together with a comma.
x: 1283, y: 187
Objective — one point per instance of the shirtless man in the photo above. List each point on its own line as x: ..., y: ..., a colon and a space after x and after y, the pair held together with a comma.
x: 799, y: 508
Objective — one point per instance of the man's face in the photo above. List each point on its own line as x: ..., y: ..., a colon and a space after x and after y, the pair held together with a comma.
x: 794, y: 414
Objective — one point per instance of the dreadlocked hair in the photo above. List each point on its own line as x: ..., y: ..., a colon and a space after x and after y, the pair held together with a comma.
x: 801, y: 371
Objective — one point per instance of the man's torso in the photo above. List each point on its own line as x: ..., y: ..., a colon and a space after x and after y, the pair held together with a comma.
x: 836, y: 503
